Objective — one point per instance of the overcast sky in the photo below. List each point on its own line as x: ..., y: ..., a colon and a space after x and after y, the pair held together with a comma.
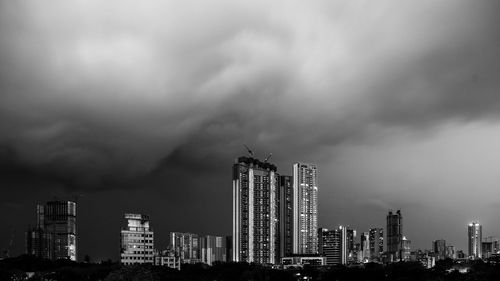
x: 142, y: 106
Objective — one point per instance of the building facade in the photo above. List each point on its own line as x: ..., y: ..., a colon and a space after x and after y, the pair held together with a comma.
x: 352, y: 254
x: 395, y: 235
x: 406, y: 249
x: 376, y: 241
x: 286, y: 215
x: 333, y: 245
x: 329, y: 245
x: 255, y: 211
x: 213, y: 249
x: 490, y: 246
x: 365, y: 246
x: 439, y: 249
x: 186, y: 246
x: 39, y: 243
x: 451, y: 253
x: 54, y: 236
x: 300, y: 261
x: 229, y: 248
x: 475, y: 237
x: 137, y: 240
x: 305, y: 208
x: 167, y: 258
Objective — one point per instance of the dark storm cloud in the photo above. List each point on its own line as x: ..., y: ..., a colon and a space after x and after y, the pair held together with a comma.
x: 119, y: 95
x: 90, y: 95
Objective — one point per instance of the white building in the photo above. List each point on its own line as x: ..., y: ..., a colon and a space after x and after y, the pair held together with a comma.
x: 137, y: 240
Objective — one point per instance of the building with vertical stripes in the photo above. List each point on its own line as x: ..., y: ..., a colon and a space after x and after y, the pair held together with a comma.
x: 186, y: 246
x: 305, y: 209
x: 213, y: 249
x: 255, y: 211
x: 54, y: 237
x: 475, y: 237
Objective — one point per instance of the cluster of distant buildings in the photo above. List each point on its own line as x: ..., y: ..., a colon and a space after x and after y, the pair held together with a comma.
x: 137, y: 246
x: 275, y: 222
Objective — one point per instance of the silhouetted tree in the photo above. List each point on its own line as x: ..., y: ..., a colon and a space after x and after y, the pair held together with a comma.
x: 133, y: 273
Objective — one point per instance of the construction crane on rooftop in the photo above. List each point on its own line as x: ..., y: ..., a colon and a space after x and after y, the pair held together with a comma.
x: 250, y: 152
x: 268, y: 157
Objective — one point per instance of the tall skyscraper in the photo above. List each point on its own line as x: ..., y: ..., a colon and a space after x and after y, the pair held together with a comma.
x: 439, y: 249
x: 305, y: 207
x: 137, y: 240
x: 255, y: 211
x: 343, y: 244
x: 213, y: 249
x: 376, y: 237
x: 286, y: 215
x: 395, y: 235
x: 54, y: 237
x: 475, y: 231
x: 186, y: 246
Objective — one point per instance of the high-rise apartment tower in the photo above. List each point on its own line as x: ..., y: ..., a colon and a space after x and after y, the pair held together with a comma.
x: 395, y: 235
x: 475, y: 237
x: 305, y: 208
x: 255, y: 211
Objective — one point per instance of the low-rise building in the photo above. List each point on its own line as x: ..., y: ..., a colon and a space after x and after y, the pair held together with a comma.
x: 167, y: 258
x: 300, y: 261
x: 186, y: 246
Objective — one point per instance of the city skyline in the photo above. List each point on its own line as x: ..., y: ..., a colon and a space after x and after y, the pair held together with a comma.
x: 393, y: 218
x: 262, y: 221
x: 143, y: 107
x: 337, y: 246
